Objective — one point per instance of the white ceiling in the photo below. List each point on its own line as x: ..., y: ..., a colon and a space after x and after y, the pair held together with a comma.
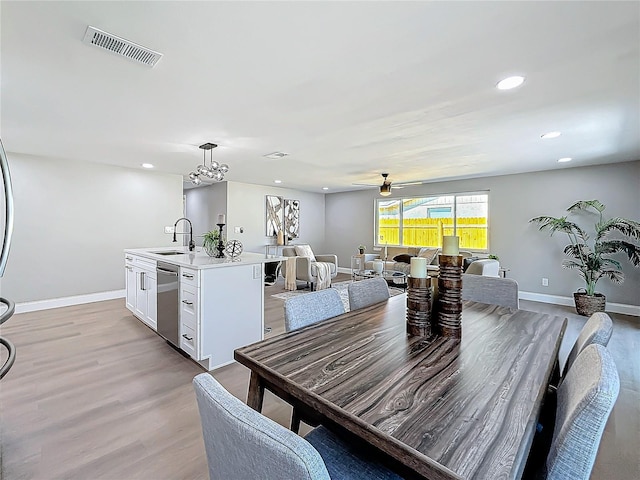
x: 348, y: 89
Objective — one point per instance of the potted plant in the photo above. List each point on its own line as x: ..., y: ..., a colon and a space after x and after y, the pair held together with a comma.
x: 210, y: 242
x: 361, y: 249
x: 592, y: 255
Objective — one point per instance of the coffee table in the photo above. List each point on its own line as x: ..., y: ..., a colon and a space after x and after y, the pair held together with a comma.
x: 393, y: 278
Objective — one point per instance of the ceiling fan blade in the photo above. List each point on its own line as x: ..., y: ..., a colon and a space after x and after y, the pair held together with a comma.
x: 366, y: 184
x: 406, y: 184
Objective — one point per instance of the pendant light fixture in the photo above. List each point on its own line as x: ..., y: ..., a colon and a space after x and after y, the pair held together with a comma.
x: 214, y: 171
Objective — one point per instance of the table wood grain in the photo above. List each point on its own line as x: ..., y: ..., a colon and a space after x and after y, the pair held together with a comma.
x: 444, y: 408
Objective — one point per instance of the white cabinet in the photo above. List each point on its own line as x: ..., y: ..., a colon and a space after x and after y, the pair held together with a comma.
x: 220, y: 303
x: 141, y: 288
x: 190, y: 312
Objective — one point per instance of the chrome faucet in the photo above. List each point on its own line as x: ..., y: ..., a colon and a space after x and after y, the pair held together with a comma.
x: 192, y: 244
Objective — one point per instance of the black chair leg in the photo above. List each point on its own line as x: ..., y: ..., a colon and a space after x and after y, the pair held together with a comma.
x: 295, y: 421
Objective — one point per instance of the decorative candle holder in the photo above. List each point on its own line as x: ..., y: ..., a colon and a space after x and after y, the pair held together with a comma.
x: 220, y: 246
x: 450, y: 296
x: 419, y: 321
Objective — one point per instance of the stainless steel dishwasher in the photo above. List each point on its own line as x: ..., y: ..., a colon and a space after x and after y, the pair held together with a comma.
x: 167, y: 296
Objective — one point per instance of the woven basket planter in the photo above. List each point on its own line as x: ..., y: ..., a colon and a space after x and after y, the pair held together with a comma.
x: 587, y: 305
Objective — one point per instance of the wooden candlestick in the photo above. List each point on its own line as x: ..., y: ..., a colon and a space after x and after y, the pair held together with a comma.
x: 450, y: 296
x: 419, y: 322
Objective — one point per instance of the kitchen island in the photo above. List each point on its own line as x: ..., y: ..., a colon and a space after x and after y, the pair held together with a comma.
x: 214, y: 305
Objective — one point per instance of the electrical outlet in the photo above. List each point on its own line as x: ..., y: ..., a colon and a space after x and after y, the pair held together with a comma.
x: 169, y: 229
x: 545, y: 282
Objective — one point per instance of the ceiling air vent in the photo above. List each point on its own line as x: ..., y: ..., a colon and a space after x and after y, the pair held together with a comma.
x: 121, y: 47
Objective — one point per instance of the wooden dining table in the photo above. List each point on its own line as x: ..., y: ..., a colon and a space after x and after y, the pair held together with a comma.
x: 439, y: 408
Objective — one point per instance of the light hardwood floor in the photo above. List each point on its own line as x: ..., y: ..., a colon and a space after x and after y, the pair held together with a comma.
x: 94, y: 394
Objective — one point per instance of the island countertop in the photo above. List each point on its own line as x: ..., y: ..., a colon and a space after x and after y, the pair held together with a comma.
x: 199, y: 259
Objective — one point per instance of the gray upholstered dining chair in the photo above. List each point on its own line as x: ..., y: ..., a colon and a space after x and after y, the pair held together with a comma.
x: 309, y: 308
x: 585, y: 400
x: 598, y: 329
x: 367, y: 292
x: 241, y: 443
x: 492, y: 290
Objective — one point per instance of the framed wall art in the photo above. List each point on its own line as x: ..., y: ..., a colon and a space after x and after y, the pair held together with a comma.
x: 292, y: 219
x: 274, y: 215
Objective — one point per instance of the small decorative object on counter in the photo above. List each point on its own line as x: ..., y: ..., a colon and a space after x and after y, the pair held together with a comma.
x: 233, y: 248
x: 361, y: 249
x: 210, y: 242
x: 220, y: 247
x: 419, y: 318
x: 450, y: 296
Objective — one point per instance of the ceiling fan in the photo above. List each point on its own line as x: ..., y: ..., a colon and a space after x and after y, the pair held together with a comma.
x: 385, y: 188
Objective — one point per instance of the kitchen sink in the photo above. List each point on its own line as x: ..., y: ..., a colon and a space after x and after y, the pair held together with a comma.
x: 170, y: 252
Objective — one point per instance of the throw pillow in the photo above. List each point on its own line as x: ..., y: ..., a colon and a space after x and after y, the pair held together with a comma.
x: 428, y: 253
x: 305, y: 251
x: 403, y: 258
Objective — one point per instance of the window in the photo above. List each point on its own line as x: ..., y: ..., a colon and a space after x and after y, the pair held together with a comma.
x: 422, y: 221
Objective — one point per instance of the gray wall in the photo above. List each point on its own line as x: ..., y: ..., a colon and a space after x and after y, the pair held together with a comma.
x: 203, y: 206
x: 513, y: 201
x: 244, y: 206
x: 73, y: 220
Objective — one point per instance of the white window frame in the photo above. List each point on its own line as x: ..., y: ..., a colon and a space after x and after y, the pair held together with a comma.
x: 377, y: 202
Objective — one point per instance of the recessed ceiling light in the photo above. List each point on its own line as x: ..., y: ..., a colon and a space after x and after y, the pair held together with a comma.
x: 510, y: 82
x: 325, y: 188
x: 277, y: 181
x: 550, y: 135
x: 276, y: 155
x: 564, y: 159
x: 147, y: 165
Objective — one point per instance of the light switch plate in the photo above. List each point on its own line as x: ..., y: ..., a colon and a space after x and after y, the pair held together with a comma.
x: 238, y: 230
x: 169, y: 229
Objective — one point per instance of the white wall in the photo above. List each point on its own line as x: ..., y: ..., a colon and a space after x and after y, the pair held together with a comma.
x: 244, y: 205
x: 73, y: 220
x: 513, y: 201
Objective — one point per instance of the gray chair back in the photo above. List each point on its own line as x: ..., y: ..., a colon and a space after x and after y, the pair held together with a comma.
x: 241, y: 443
x: 585, y: 400
x: 598, y: 329
x: 309, y: 308
x: 492, y: 290
x: 367, y: 292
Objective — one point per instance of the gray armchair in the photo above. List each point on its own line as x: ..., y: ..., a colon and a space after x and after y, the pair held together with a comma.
x: 306, y: 268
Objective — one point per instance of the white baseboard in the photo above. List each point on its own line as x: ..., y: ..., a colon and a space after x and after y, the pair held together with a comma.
x: 568, y: 301
x: 68, y: 301
x: 344, y: 270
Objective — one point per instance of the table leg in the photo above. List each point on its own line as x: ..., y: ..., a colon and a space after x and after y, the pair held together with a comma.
x: 256, y: 392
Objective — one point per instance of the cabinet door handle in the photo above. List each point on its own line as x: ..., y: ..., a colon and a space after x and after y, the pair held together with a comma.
x: 187, y: 302
x: 142, y: 281
x: 186, y: 275
x: 129, y: 258
x: 187, y: 337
